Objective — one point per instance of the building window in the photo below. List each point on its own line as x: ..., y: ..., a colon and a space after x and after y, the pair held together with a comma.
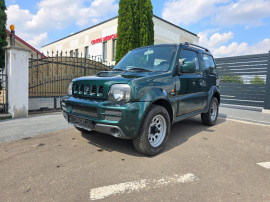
x: 86, y: 49
x: 104, y: 51
x: 76, y: 53
x: 113, y: 50
x: 71, y: 53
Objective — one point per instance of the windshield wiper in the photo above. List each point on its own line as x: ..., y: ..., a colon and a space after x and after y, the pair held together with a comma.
x: 140, y: 69
x: 117, y: 69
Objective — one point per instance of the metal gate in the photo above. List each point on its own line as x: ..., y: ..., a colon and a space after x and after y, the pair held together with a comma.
x: 49, y: 78
x: 243, y: 79
x: 3, y: 92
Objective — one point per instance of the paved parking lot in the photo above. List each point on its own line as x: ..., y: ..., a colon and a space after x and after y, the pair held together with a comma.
x: 200, y: 163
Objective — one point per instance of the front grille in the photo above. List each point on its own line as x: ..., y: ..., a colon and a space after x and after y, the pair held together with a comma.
x: 113, y: 112
x: 89, y: 111
x: 112, y: 118
x: 100, y: 90
x: 113, y: 115
x: 89, y: 90
x: 94, y: 90
x: 76, y: 89
x: 82, y: 89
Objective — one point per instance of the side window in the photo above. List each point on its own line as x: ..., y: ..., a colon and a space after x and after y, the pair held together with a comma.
x: 188, y: 56
x: 209, y: 64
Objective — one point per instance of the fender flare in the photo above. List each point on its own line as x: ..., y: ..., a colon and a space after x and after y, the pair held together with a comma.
x: 152, y: 96
x: 213, y: 90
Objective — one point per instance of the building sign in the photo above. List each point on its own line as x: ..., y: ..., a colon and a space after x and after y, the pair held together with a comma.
x: 106, y: 38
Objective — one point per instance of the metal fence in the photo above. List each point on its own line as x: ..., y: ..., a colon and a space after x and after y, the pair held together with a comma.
x: 3, y: 92
x: 49, y: 78
x: 243, y: 79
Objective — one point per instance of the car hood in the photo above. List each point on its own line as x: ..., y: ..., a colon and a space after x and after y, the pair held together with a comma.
x: 120, y: 76
x: 98, y: 86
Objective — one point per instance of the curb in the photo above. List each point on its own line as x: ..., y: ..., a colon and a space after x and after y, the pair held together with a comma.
x: 5, y: 116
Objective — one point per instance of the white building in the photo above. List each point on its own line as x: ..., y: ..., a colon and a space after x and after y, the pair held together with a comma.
x: 100, y: 40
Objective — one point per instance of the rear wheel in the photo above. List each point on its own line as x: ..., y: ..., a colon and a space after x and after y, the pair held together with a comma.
x: 154, y: 131
x: 209, y: 118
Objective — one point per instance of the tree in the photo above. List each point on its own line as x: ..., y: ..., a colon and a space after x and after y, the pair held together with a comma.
x: 145, y: 21
x: 257, y: 80
x: 135, y: 26
x: 3, y: 33
x: 126, y: 30
x: 232, y: 79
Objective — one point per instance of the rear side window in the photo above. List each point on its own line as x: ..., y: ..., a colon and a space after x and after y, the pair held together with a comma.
x: 209, y: 64
x: 190, y: 56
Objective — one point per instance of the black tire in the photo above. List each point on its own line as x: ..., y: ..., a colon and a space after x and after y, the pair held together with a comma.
x: 82, y: 130
x: 157, y: 116
x: 208, y: 118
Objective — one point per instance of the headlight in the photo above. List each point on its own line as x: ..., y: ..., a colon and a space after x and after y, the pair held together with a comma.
x: 69, y: 91
x: 119, y: 93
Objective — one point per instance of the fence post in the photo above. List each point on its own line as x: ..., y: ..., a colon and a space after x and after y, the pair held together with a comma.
x: 55, y: 103
x: 17, y: 68
x: 267, y: 88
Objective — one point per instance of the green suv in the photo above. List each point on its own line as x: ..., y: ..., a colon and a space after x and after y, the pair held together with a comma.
x: 150, y: 89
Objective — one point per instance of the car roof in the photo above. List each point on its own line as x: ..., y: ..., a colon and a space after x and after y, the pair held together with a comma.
x: 186, y: 45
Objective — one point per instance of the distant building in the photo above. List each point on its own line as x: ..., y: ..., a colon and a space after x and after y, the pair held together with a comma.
x: 23, y: 44
x: 99, y: 41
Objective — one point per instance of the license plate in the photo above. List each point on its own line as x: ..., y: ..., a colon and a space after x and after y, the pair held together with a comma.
x: 85, y: 123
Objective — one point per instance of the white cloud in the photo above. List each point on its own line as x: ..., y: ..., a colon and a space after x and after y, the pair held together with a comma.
x: 248, y: 12
x: 226, y: 12
x: 216, y: 43
x: 215, y: 39
x: 233, y: 49
x: 57, y: 14
x: 37, y: 40
x: 98, y: 8
x: 187, y: 11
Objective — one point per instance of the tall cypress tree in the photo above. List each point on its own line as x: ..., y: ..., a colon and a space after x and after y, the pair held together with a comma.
x: 126, y: 31
x: 3, y: 33
x: 149, y: 11
x: 135, y: 26
x: 146, y: 24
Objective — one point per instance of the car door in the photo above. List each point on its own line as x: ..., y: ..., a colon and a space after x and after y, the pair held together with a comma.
x: 191, y: 95
x: 209, y: 71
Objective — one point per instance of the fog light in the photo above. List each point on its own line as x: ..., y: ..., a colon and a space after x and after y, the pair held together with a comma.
x: 115, y: 132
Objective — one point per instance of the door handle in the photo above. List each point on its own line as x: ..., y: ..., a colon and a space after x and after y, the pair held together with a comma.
x: 202, y: 82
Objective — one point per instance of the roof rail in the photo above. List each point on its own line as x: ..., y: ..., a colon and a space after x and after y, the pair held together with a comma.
x: 191, y: 44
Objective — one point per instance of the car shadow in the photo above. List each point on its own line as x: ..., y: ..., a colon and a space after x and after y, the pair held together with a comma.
x: 180, y: 133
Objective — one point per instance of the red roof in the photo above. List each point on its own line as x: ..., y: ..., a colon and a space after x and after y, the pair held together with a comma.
x: 27, y: 45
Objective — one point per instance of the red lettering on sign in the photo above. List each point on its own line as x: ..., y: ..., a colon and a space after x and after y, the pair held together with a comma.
x: 106, y: 38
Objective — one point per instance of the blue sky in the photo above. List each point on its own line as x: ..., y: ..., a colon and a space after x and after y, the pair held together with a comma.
x: 226, y: 27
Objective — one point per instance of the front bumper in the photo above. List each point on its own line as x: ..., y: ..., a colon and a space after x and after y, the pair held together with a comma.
x: 118, y: 120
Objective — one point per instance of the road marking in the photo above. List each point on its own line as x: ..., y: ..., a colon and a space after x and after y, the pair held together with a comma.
x: 246, y: 122
x: 265, y: 164
x: 127, y: 187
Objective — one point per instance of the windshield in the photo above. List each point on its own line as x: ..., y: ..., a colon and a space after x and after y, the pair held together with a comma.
x: 156, y: 58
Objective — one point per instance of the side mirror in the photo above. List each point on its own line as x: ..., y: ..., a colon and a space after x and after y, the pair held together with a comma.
x: 180, y: 63
x: 188, y: 67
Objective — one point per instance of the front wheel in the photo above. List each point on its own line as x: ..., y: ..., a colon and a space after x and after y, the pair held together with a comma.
x: 154, y: 131
x: 209, y: 118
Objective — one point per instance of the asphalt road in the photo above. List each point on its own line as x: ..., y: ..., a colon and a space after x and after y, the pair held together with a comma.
x: 199, y: 164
